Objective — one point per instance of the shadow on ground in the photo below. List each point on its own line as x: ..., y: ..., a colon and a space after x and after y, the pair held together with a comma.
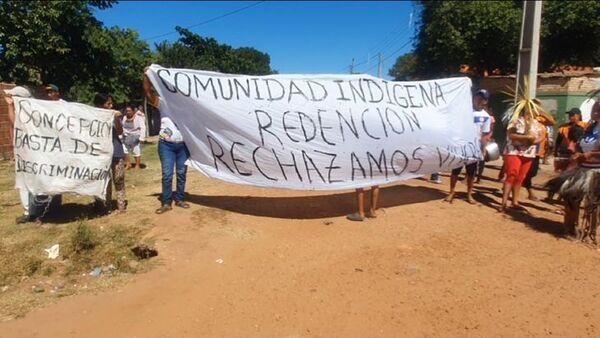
x: 311, y: 207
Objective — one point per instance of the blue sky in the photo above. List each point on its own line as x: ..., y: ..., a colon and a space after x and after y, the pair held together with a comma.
x: 301, y: 37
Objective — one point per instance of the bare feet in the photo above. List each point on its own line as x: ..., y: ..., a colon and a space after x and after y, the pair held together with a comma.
x: 449, y: 198
x: 371, y: 214
x: 470, y: 200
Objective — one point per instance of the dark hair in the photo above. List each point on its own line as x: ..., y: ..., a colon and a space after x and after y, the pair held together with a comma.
x: 101, y: 98
x: 576, y: 132
x: 132, y: 106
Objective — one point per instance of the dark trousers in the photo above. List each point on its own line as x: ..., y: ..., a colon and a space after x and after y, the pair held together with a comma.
x: 535, y: 166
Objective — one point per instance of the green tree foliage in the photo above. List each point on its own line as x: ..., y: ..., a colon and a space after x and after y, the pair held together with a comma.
x: 121, y: 57
x: 570, y: 33
x: 196, y: 52
x: 405, y: 67
x: 485, y: 35
x: 61, y: 42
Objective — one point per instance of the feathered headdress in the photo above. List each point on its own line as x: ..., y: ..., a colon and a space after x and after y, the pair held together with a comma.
x: 522, y: 101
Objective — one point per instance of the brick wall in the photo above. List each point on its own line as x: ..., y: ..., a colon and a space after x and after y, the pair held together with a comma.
x: 6, y: 146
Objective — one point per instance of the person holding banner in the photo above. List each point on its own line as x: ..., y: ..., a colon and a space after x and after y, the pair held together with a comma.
x: 172, y: 152
x: 117, y: 167
x: 35, y: 206
x: 360, y: 202
x: 482, y: 121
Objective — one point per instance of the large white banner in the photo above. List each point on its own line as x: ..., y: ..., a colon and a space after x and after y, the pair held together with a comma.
x: 62, y: 147
x: 318, y: 132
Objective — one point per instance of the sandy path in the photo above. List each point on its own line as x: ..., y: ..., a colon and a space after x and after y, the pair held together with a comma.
x: 293, y: 266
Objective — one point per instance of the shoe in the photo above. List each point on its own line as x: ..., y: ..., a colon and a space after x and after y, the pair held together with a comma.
x: 182, y: 204
x: 438, y: 181
x: 355, y: 217
x: 164, y: 208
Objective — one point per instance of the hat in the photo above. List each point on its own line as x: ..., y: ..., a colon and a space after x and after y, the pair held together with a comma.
x: 574, y: 111
x: 52, y: 87
x: 18, y: 91
x: 483, y: 93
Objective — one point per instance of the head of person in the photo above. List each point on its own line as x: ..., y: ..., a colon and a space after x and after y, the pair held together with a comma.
x: 130, y: 110
x: 52, y: 92
x: 574, y: 115
x: 102, y: 100
x: 481, y: 99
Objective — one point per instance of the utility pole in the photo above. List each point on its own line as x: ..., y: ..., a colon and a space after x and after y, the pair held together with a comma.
x: 380, y: 65
x: 529, y: 47
x: 352, y: 67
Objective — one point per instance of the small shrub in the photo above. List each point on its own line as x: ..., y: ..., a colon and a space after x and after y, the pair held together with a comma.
x: 83, y: 238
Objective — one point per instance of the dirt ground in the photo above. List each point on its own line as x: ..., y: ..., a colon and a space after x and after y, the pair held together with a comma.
x: 255, y: 262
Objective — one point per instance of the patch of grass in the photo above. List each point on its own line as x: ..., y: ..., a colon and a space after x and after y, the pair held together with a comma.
x: 86, y: 242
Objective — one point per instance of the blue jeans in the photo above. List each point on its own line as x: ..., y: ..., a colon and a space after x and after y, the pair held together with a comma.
x: 172, y: 155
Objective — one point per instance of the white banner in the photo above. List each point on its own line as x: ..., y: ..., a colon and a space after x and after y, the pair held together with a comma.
x: 62, y: 147
x: 318, y: 132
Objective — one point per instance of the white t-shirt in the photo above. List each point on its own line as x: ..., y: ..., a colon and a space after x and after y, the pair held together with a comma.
x: 168, y: 130
x: 482, y: 121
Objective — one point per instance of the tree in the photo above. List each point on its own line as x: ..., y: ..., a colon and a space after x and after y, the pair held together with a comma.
x: 121, y: 58
x: 405, y: 67
x: 196, y: 52
x: 570, y: 33
x: 61, y: 42
x: 485, y: 36
x: 42, y: 42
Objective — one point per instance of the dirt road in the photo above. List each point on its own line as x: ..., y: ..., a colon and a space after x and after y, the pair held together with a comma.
x: 253, y: 262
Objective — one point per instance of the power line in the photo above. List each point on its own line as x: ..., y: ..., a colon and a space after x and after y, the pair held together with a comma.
x: 389, y: 56
x: 386, y: 43
x: 208, y: 21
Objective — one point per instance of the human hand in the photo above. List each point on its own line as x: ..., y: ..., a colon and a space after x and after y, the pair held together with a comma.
x: 9, y: 100
x: 117, y: 114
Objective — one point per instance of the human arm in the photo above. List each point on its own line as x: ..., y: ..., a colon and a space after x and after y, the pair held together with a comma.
x: 521, y: 138
x: 152, y: 97
x: 118, y: 123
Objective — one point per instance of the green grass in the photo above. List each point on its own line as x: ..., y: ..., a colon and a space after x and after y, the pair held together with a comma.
x: 86, y: 242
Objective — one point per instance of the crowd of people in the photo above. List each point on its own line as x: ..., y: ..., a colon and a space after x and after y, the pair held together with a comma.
x: 128, y: 135
x: 528, y: 141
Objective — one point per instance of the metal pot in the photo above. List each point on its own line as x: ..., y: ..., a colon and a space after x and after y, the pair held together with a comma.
x: 492, y: 151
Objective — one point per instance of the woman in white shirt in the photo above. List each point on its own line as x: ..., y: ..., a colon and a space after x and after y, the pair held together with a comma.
x: 172, y: 153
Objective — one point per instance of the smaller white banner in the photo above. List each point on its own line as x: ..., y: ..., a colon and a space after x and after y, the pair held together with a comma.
x: 62, y: 147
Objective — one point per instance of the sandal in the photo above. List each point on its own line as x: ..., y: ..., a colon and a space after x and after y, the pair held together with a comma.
x: 164, y: 208
x: 182, y: 204
x: 355, y: 217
